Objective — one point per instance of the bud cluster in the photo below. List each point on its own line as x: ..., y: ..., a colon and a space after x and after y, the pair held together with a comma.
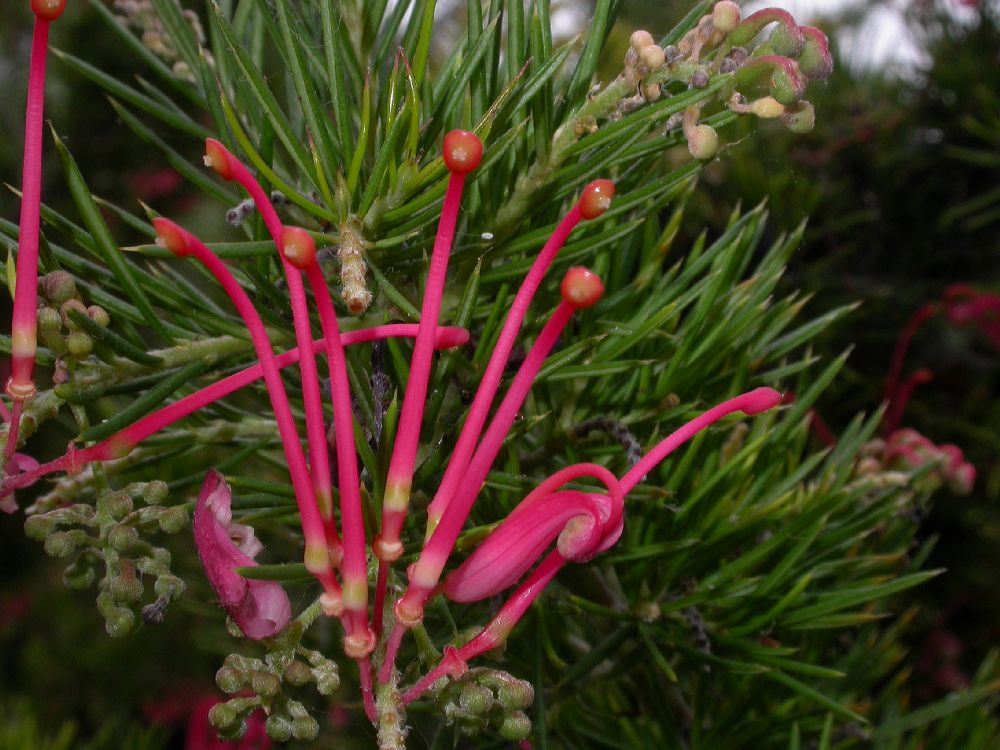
x: 110, y: 533
x: 142, y: 16
x: 487, y: 697
x: 261, y: 683
x: 906, y: 450
x: 62, y: 317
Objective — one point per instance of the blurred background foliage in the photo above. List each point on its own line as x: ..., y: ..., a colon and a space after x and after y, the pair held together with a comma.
x: 900, y: 182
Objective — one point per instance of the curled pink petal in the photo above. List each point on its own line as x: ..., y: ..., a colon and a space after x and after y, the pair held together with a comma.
x: 19, y: 463
x: 260, y: 608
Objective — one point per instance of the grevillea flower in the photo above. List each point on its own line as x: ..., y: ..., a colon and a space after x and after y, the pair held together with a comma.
x: 260, y: 608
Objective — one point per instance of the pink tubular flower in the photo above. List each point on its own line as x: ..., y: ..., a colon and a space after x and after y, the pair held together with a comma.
x: 260, y: 608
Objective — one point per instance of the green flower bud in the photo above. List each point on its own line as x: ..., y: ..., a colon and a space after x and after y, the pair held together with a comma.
x: 475, y: 699
x: 79, y: 344
x: 278, y: 728
x: 169, y: 585
x: 229, y: 680
x: 39, y: 527
x: 58, y: 287
x: 305, y: 728
x: 800, y: 118
x: 155, y: 492
x: 117, y: 505
x: 65, y: 307
x: 173, y: 520
x: 703, y: 142
x: 516, y: 694
x: 515, y: 727
x: 726, y: 16
x: 264, y: 684
x: 50, y: 329
x: 59, y: 544
x: 122, y: 537
x: 298, y: 674
x: 327, y: 678
x: 787, y: 86
x: 119, y: 622
x: 222, y: 716
x: 99, y: 315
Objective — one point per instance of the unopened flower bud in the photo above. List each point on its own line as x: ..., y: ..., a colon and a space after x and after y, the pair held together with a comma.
x: 651, y: 92
x: 800, y: 117
x: 50, y: 329
x: 581, y: 287
x: 155, y: 492
x: 475, y: 699
x: 229, y: 680
x: 703, y: 142
x: 699, y: 79
x: 815, y: 60
x: 278, y: 728
x: 173, y: 520
x: 115, y: 504
x: 726, y: 16
x: 39, y: 527
x: 65, y: 307
x: 79, y: 344
x: 305, y: 728
x: 327, y: 678
x: 596, y: 198
x: 126, y: 587
x: 516, y: 727
x: 58, y: 287
x: 516, y: 694
x: 99, y: 315
x: 297, y: 674
x: 673, y: 53
x: 78, y: 575
x: 787, y: 40
x: 59, y: 544
x: 119, y: 622
x: 652, y: 56
x: 122, y: 537
x: 222, y: 716
x: 640, y: 39
x: 738, y: 55
x: 169, y: 585
x: 264, y: 684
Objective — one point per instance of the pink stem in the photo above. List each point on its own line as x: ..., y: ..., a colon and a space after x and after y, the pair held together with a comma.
x: 355, y: 565
x: 316, y: 554
x: 750, y: 403
x: 483, y: 400
x: 404, y: 452
x: 122, y: 442
x: 921, y: 316
x: 21, y: 386
x: 427, y: 570
x: 901, y: 397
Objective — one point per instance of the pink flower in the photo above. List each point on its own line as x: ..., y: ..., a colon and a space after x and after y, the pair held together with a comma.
x: 260, y: 608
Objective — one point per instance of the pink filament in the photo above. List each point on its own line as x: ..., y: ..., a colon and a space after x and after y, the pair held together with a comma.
x: 483, y: 400
x: 123, y: 441
x: 23, y: 319
x: 921, y: 316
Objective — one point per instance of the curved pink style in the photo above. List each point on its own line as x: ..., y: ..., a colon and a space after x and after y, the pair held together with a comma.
x: 260, y: 608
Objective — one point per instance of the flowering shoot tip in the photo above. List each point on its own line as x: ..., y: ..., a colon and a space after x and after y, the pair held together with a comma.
x: 581, y: 287
x: 462, y: 151
x: 596, y: 198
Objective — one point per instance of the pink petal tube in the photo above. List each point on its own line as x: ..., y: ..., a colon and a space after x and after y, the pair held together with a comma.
x: 260, y: 608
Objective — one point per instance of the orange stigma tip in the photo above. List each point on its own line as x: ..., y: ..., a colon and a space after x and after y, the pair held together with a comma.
x: 596, y: 198
x: 581, y: 287
x: 217, y: 157
x: 48, y: 10
x: 300, y: 249
x: 462, y: 151
x: 171, y: 236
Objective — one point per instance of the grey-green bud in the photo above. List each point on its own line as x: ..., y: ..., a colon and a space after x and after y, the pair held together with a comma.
x: 115, y: 504
x: 173, y: 520
x: 305, y: 728
x: 122, y: 537
x: 229, y: 680
x: 119, y: 622
x: 155, y: 492
x: 515, y: 727
x: 58, y: 287
x: 264, y: 684
x: 99, y: 315
x: 278, y: 728
x: 59, y: 544
x: 476, y: 699
x: 39, y: 527
x: 65, y: 307
x: 516, y: 694
x: 298, y: 674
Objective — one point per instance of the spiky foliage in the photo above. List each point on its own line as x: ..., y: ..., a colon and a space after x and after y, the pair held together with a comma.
x: 744, y: 605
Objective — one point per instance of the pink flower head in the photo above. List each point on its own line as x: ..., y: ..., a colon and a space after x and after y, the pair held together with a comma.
x: 260, y: 608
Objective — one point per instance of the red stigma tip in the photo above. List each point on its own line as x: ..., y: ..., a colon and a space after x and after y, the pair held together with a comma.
x: 462, y: 151
x: 299, y: 247
x: 596, y: 198
x: 581, y: 287
x: 218, y: 158
x: 48, y: 10
x: 171, y: 236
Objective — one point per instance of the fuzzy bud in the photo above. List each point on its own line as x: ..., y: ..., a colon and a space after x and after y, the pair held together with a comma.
x: 122, y: 538
x: 119, y: 622
x: 155, y: 492
x: 223, y: 716
x: 64, y: 310
x: 173, y: 520
x: 516, y: 694
x: 475, y: 699
x: 305, y: 728
x: 640, y: 39
x: 800, y: 118
x: 59, y: 544
x: 39, y: 527
x: 700, y: 79
x: 115, y: 504
x: 516, y: 727
x: 278, y: 728
x: 652, y: 56
x: 726, y: 16
x: 79, y: 344
x: 703, y: 142
x: 297, y: 674
x: 264, y: 684
x: 327, y: 678
x: 651, y: 92
x: 58, y: 287
x: 99, y: 315
x: 126, y: 588
x: 50, y: 329
x: 229, y: 680
x: 78, y: 575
